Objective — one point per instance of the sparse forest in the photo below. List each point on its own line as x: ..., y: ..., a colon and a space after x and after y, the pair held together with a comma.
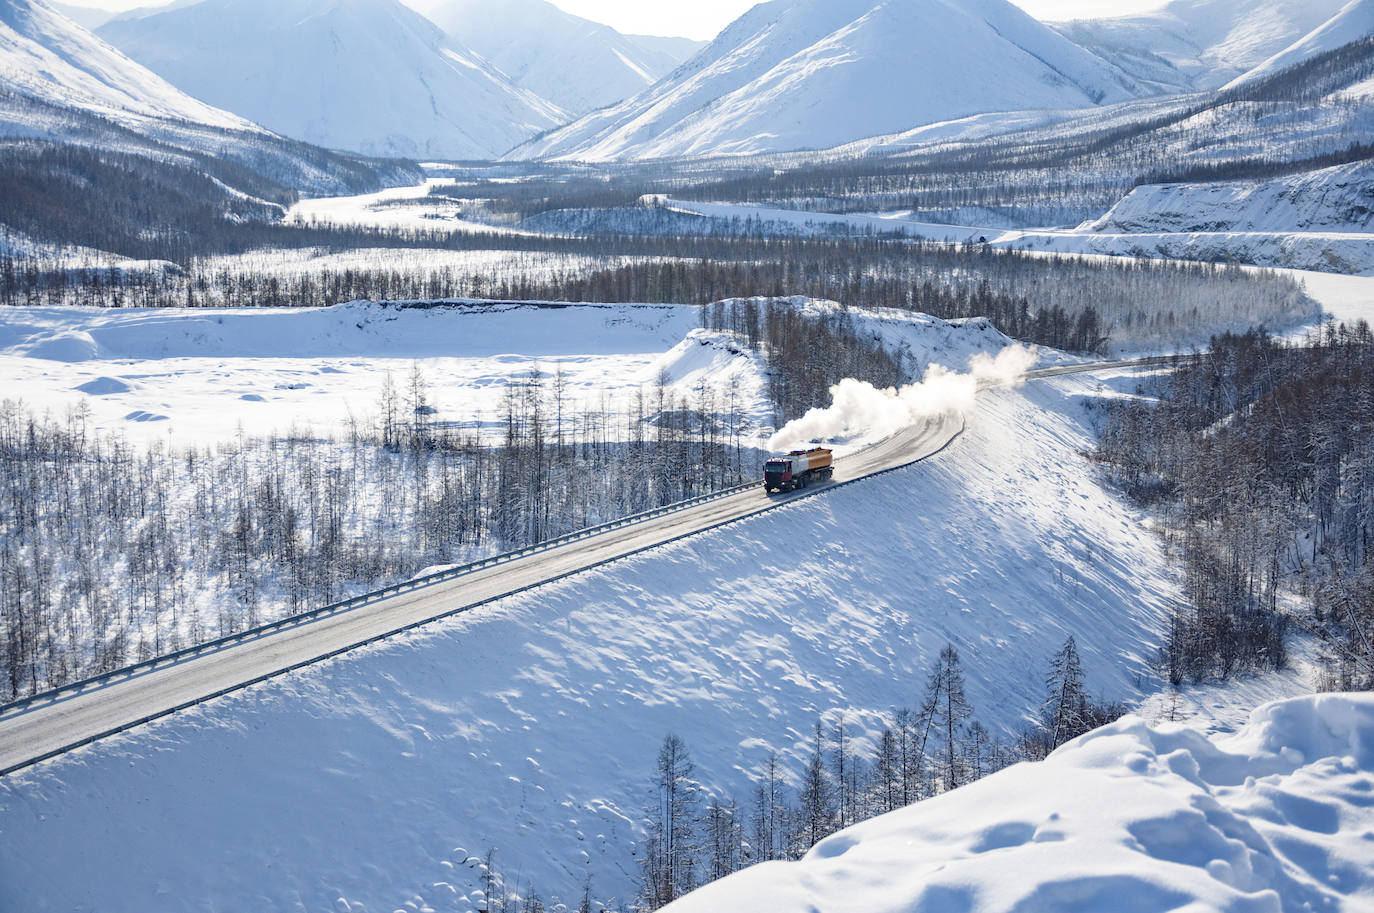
x: 1261, y: 458
x: 111, y: 554
x: 1073, y: 303
x: 694, y: 835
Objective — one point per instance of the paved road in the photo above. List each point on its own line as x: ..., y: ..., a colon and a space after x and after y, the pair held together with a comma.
x: 48, y: 727
x: 51, y: 726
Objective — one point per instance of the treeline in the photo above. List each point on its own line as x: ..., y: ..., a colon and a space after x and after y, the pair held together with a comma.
x: 1261, y: 457
x: 694, y: 836
x: 511, y: 202
x: 1261, y: 168
x: 111, y: 554
x: 1073, y: 303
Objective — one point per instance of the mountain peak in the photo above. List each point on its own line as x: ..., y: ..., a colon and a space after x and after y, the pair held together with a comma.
x: 795, y: 74
x: 370, y: 76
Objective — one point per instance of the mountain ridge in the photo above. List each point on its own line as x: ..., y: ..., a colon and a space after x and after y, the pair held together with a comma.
x: 805, y: 75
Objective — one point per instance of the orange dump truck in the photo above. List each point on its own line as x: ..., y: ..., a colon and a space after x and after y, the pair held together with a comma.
x: 798, y: 469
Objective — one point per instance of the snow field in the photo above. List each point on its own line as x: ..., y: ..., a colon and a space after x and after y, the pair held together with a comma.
x: 371, y: 781
x: 199, y: 376
x: 397, y: 208
x: 1129, y: 818
x: 202, y: 375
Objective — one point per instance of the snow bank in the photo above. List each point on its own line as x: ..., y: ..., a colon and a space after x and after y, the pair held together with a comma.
x: 1128, y: 818
x: 531, y: 726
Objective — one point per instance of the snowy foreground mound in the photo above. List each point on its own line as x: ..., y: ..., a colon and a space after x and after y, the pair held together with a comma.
x: 1128, y: 818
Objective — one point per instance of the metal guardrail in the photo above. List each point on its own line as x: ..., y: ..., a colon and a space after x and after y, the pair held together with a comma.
x: 126, y: 672
x: 71, y: 690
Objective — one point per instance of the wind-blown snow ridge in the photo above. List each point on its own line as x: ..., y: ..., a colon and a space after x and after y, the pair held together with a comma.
x: 1339, y: 199
x: 1128, y: 819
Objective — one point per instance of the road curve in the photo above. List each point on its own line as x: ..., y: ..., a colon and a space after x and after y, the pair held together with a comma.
x: 33, y: 732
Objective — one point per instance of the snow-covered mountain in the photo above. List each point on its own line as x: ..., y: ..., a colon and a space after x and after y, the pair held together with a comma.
x: 89, y: 17
x: 1127, y: 819
x: 48, y: 57
x: 578, y: 64
x: 1354, y: 22
x: 369, y: 76
x: 1200, y: 44
x: 792, y: 74
x: 60, y: 83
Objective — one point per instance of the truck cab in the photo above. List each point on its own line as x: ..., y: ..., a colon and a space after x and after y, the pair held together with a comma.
x: 777, y: 474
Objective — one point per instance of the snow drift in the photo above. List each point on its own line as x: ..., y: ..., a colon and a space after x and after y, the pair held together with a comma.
x: 1128, y: 819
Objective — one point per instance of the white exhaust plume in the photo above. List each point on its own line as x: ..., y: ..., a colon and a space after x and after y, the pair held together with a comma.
x: 859, y: 408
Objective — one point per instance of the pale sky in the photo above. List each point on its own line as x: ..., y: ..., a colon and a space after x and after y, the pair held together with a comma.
x: 705, y: 18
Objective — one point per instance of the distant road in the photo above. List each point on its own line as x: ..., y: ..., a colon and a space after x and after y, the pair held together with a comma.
x: 49, y: 725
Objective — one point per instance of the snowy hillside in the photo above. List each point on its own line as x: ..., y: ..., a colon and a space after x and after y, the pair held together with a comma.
x: 792, y: 74
x: 1128, y: 818
x: 1200, y: 44
x: 89, y: 17
x: 46, y: 56
x: 1337, y: 199
x: 378, y: 780
x: 369, y: 76
x: 60, y: 83
x: 1354, y: 22
x: 575, y: 63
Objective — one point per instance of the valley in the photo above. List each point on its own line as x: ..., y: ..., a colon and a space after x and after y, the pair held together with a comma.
x: 387, y: 391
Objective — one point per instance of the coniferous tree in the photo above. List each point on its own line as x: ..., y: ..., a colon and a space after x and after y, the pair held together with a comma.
x: 1065, y: 710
